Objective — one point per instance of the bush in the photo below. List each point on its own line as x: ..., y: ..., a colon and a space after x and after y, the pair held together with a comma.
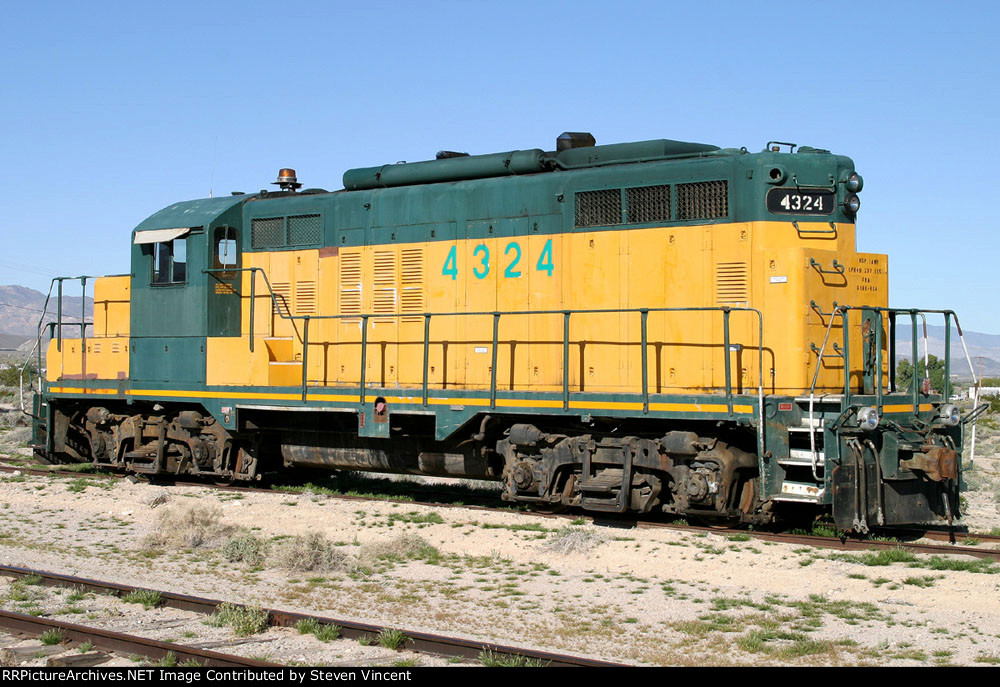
x: 403, y: 548
x: 244, y: 620
x: 245, y: 548
x: 149, y: 598
x: 308, y: 552
x: 391, y: 639
x: 189, y: 527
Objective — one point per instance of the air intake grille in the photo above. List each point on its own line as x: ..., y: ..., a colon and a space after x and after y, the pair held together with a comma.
x: 731, y: 285
x: 304, y: 230
x: 599, y: 208
x: 384, y: 282
x: 648, y: 204
x: 350, y: 284
x: 282, y: 303
x: 279, y: 232
x: 268, y: 233
x: 305, y: 298
x: 412, y: 282
x: 703, y: 200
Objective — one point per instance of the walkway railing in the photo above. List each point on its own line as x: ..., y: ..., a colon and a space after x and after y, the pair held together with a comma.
x: 283, y: 310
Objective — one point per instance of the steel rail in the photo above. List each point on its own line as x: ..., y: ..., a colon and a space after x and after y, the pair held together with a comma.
x: 123, y: 643
x: 843, y: 544
x: 422, y: 642
x: 780, y: 537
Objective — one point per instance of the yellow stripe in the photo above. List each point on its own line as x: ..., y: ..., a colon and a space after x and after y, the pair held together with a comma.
x: 459, y: 401
x: 76, y: 390
x: 176, y: 393
x: 613, y: 405
x: 905, y: 408
x: 522, y: 403
x: 699, y: 408
x: 477, y: 402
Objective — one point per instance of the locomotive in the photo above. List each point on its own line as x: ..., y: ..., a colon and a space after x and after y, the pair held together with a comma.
x: 656, y: 326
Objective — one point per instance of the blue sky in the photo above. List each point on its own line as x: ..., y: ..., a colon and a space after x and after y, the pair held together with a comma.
x: 111, y: 111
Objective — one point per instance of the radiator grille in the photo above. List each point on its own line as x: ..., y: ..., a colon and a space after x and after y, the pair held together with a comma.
x: 268, y: 232
x: 731, y: 284
x: 648, y: 204
x: 599, y: 208
x: 703, y: 200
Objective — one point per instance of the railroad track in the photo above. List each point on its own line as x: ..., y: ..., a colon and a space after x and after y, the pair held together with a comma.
x: 841, y: 543
x: 124, y: 644
x: 421, y: 642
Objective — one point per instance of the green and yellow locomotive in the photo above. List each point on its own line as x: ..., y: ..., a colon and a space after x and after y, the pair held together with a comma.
x: 650, y: 326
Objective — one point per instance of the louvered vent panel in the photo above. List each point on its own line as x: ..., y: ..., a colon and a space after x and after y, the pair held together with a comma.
x: 350, y: 284
x: 412, y: 283
x: 648, y: 204
x: 282, y: 303
x: 599, y: 208
x: 305, y: 298
x: 731, y: 284
x: 703, y: 200
x: 268, y: 233
x: 304, y: 230
x: 384, y: 281
x: 116, y: 347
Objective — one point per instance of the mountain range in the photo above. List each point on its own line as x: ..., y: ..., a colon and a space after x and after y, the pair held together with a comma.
x: 21, y: 308
x: 984, y: 349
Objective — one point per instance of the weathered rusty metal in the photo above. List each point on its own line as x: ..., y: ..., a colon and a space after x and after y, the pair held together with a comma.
x: 123, y: 643
x: 937, y: 462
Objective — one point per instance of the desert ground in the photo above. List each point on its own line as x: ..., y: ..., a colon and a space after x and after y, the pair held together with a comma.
x: 638, y: 596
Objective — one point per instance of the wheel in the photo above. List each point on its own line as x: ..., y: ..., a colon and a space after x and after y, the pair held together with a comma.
x: 548, y: 508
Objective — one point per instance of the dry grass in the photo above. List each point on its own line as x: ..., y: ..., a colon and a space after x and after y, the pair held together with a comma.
x: 158, y: 499
x: 189, y: 527
x: 402, y: 548
x: 307, y: 552
x: 570, y: 540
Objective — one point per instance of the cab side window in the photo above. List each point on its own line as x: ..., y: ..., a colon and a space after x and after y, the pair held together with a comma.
x: 170, y: 262
x: 225, y: 248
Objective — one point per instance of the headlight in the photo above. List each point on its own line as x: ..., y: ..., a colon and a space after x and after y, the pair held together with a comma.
x: 852, y: 203
x: 950, y: 415
x: 855, y: 182
x: 868, y: 419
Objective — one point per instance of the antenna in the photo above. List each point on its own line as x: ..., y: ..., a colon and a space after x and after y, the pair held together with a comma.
x: 211, y: 176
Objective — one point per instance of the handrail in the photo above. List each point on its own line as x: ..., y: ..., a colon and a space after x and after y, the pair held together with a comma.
x: 20, y: 379
x: 837, y: 267
x: 841, y: 309
x: 914, y: 313
x: 496, y: 315
x: 831, y: 230
x: 56, y: 328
